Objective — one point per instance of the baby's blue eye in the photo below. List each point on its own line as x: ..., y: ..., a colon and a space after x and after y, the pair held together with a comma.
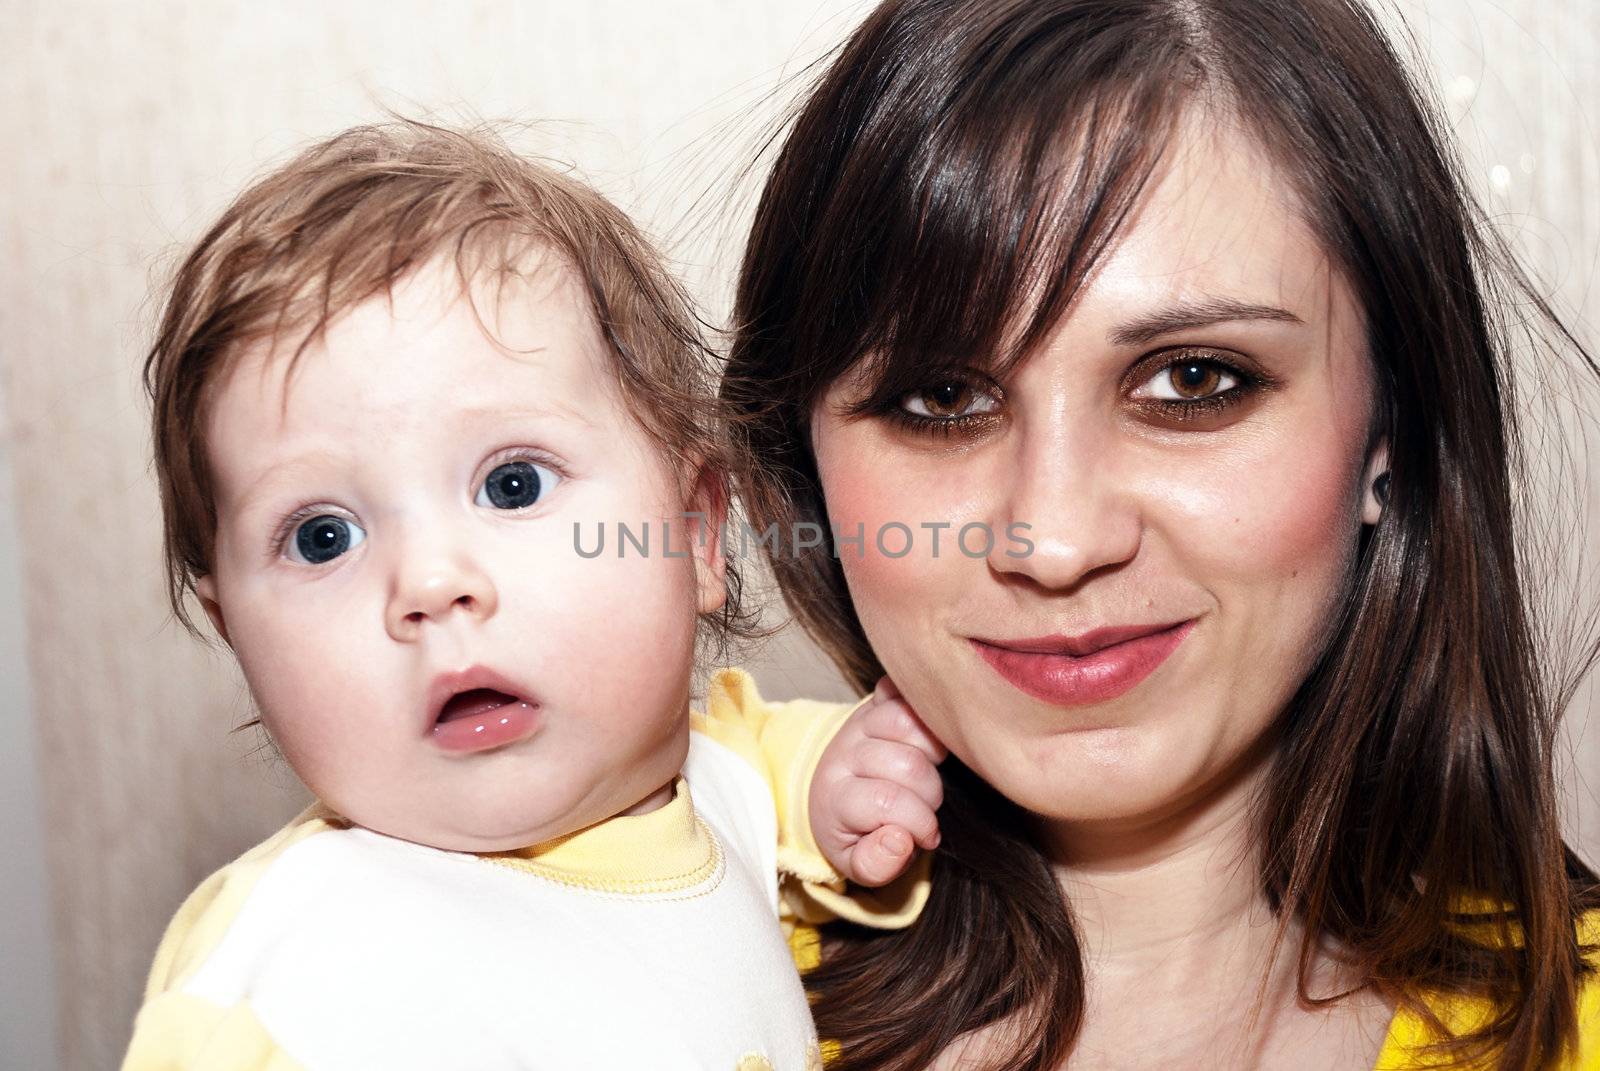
x: 515, y: 485
x: 323, y: 538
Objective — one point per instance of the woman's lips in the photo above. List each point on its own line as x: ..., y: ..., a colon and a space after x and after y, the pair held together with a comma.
x: 482, y: 718
x: 1066, y: 680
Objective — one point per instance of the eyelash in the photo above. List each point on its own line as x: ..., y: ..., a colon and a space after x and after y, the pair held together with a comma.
x: 933, y: 426
x: 286, y: 527
x: 1195, y: 409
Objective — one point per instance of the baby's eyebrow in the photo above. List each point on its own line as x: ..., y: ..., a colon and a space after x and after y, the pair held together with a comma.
x: 545, y: 410
x: 275, y: 472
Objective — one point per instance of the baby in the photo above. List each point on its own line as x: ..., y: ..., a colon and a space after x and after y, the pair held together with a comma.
x: 397, y: 388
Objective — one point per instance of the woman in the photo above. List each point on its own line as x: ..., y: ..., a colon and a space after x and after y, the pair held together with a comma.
x: 1179, y: 302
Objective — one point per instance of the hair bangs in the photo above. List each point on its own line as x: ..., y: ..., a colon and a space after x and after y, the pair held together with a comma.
x: 992, y: 224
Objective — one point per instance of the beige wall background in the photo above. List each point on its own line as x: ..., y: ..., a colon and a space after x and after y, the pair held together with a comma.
x: 128, y: 126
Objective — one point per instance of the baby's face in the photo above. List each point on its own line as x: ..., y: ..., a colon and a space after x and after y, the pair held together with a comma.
x: 396, y: 570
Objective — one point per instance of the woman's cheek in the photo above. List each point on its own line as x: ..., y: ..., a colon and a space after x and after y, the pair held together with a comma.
x: 1269, y: 541
x: 878, y: 514
x: 1276, y: 493
x: 1295, y: 504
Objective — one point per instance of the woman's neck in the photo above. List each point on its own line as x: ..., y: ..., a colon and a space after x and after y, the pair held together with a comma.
x: 1165, y: 886
x: 1172, y: 918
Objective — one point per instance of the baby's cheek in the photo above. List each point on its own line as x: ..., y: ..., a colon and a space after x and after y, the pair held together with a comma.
x: 321, y: 705
x: 613, y: 606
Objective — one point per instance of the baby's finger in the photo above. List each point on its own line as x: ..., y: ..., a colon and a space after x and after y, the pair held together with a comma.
x: 881, y: 856
x: 865, y: 804
x: 892, y: 719
x: 885, y: 689
x: 890, y: 760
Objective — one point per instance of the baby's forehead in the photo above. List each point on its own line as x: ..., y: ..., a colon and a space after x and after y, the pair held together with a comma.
x: 533, y: 327
x: 431, y: 351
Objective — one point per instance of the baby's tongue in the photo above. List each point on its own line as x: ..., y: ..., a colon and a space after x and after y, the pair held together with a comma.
x: 466, y: 704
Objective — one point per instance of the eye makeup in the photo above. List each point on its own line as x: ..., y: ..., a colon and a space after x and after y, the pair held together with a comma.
x: 957, y: 391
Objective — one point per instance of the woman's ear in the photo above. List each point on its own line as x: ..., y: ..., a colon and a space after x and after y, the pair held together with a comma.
x: 707, y: 514
x: 206, y: 588
x: 1375, y: 484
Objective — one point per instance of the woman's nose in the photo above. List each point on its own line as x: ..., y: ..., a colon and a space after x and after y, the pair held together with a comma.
x: 433, y: 581
x: 1070, y: 512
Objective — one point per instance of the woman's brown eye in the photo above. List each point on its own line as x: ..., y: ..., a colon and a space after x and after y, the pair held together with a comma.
x: 1188, y: 381
x: 1194, y: 380
x: 948, y: 401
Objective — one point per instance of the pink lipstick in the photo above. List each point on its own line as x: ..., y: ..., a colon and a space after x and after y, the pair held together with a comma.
x: 1069, y: 671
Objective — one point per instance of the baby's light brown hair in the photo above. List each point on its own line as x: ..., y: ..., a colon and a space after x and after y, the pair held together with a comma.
x: 347, y: 219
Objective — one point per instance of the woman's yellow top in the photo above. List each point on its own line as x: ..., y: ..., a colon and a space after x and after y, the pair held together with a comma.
x: 1408, y: 1033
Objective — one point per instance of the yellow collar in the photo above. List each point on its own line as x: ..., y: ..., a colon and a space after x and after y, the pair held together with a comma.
x: 667, y: 850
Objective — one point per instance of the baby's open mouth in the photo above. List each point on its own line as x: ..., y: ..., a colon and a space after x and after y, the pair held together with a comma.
x: 473, y: 712
x: 473, y: 702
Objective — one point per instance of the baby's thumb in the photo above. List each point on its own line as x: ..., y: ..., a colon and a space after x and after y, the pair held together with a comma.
x: 881, y: 856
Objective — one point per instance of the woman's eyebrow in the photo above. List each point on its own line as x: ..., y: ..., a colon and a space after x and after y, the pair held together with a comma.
x: 1147, y: 328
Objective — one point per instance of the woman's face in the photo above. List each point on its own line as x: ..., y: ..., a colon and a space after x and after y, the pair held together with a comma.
x: 1188, y: 445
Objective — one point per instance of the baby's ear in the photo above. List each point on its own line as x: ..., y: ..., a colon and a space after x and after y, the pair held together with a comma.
x: 206, y: 588
x: 709, y: 499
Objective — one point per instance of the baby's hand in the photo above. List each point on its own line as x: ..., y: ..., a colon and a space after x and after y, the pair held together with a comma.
x: 876, y: 789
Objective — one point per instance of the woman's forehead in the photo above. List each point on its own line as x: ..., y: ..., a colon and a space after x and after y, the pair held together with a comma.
x: 1219, y: 224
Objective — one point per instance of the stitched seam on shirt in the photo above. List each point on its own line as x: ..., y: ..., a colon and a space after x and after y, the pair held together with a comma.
x: 709, y: 874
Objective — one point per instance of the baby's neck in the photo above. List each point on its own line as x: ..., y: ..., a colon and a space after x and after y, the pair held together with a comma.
x: 654, y: 801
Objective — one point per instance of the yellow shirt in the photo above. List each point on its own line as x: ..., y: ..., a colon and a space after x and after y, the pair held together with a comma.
x: 1408, y: 1033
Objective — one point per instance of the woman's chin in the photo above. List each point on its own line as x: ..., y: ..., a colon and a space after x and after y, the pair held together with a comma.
x: 1117, y: 781
x: 1106, y: 808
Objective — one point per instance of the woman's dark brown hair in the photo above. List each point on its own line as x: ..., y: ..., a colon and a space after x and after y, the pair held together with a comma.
x: 939, y: 199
